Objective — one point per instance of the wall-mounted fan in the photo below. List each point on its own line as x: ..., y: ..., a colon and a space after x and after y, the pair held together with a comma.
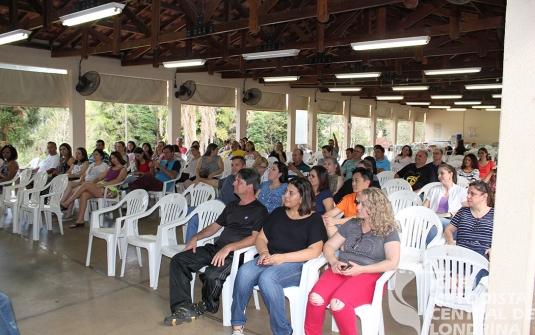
x: 252, y: 96
x: 186, y: 90
x: 88, y: 83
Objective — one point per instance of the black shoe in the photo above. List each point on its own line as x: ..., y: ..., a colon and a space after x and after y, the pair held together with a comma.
x: 201, y: 308
x: 182, y: 315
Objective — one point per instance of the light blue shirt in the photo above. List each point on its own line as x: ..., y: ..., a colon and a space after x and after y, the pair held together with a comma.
x: 384, y: 164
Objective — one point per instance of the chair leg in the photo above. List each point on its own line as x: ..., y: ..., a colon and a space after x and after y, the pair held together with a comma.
x: 427, y: 316
x: 2, y: 217
x: 192, y: 284
x: 478, y: 316
x: 152, y: 261
x: 36, y: 225
x: 256, y: 302
x: 226, y: 296
x: 89, y: 246
x: 60, y: 220
x: 112, y: 249
x: 138, y: 249
x: 334, y: 326
x: 123, y: 262
x: 157, y: 265
x: 420, y: 291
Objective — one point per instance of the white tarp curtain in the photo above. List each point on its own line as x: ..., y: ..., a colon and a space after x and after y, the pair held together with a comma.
x: 130, y: 90
x: 330, y: 107
x: 360, y: 110
x: 271, y: 102
x: 384, y: 113
x: 33, y: 89
x: 300, y: 103
x: 404, y: 115
x: 420, y: 117
x: 216, y: 96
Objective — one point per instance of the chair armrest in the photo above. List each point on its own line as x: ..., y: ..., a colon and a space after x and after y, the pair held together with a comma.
x: 173, y: 181
x: 209, y: 239
x: 236, y: 258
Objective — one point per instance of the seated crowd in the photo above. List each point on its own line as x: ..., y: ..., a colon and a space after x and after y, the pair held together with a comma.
x: 289, y: 210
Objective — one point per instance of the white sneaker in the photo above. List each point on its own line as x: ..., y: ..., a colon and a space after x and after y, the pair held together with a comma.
x: 237, y: 331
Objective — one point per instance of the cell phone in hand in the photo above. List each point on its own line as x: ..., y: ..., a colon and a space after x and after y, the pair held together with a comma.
x: 348, y: 267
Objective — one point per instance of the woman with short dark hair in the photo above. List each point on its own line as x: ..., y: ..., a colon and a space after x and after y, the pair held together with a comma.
x: 10, y: 167
x: 405, y: 156
x: 270, y: 192
x: 291, y: 235
x: 470, y: 168
x: 319, y: 178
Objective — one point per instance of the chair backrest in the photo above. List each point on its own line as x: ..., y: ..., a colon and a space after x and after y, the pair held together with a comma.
x: 395, y: 185
x: 265, y: 155
x: 199, y: 194
x: 272, y: 160
x: 403, y: 199
x: 385, y: 176
x: 34, y: 163
x: 416, y: 222
x: 208, y: 212
x: 173, y: 207
x: 455, y: 158
x: 453, y: 272
x: 136, y: 201
x: 249, y: 163
x: 228, y: 170
x: 25, y: 176
x: 395, y: 167
x: 463, y: 182
x: 39, y: 180
x: 57, y: 187
x: 426, y: 189
x: 456, y: 163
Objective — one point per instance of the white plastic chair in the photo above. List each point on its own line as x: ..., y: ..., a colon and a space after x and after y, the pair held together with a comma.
x: 395, y: 185
x: 33, y: 164
x: 160, y: 194
x: 395, y: 167
x: 298, y: 295
x: 249, y: 163
x: 385, y: 176
x: 196, y: 195
x: 103, y: 202
x: 136, y: 202
x: 56, y: 188
x: 426, y: 189
x: 416, y: 222
x: 265, y: 155
x: 227, y: 169
x: 403, y: 199
x: 453, y: 272
x: 371, y: 315
x: 453, y: 158
x: 172, y: 207
x: 463, y: 182
x: 272, y: 160
x: 13, y: 197
x: 207, y: 212
x: 456, y: 163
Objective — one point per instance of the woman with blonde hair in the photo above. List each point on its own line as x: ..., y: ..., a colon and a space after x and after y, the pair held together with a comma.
x: 335, y: 174
x: 261, y: 165
x: 371, y: 247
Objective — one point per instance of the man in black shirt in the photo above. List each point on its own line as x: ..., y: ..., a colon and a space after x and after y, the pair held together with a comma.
x: 417, y: 174
x: 242, y: 220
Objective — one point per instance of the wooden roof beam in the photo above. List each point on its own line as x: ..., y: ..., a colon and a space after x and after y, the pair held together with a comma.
x: 143, y: 28
x: 417, y: 15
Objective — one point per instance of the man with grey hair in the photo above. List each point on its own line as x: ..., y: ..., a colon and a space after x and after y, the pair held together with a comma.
x: 417, y: 174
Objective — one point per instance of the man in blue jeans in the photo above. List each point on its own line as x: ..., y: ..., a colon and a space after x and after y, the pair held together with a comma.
x: 226, y: 192
x: 8, y: 326
x: 242, y: 220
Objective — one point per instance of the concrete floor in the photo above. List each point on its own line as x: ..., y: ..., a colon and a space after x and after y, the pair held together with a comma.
x: 53, y: 292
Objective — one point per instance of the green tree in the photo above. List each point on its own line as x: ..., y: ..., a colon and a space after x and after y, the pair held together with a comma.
x: 17, y: 123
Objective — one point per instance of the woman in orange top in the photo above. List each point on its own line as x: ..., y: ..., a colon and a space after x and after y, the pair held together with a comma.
x: 485, y: 164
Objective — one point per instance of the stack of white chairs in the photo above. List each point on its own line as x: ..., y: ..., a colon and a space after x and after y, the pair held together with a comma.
x: 385, y: 176
x: 136, y: 202
x: 12, y: 196
x: 403, y: 199
x: 453, y: 272
x: 172, y: 208
x: 416, y: 222
x: 37, y: 204
x: 196, y: 196
x: 395, y: 185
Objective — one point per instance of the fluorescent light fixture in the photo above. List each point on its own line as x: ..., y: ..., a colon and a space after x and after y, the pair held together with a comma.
x: 439, y: 107
x: 274, y: 79
x: 494, y: 109
x: 391, y: 43
x: 345, y: 89
x: 452, y: 71
x: 271, y: 54
x: 92, y: 14
x: 468, y: 103
x: 483, y: 86
x: 390, y: 97
x: 485, y: 106
x: 358, y: 75
x: 497, y: 96
x: 31, y: 68
x: 451, y: 96
x: 456, y: 109
x: 418, y: 103
x: 410, y: 88
x: 15, y: 35
x: 184, y: 63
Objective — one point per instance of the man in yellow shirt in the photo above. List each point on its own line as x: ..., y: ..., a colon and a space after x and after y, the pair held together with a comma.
x: 234, y: 151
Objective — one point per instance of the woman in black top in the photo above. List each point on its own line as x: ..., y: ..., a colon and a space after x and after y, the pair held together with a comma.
x: 459, y: 149
x: 279, y: 153
x: 291, y: 235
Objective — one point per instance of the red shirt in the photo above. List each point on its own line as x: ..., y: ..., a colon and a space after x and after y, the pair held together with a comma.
x: 145, y: 168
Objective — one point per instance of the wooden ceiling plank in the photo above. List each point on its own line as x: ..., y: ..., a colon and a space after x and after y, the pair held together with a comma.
x: 300, y: 33
x: 100, y: 36
x: 242, y: 11
x: 418, y: 15
x: 155, y: 24
x: 47, y: 13
x: 36, y: 5
x: 209, y: 9
x: 254, y: 28
x: 340, y: 25
x: 77, y: 33
x: 455, y: 21
x: 381, y: 23
x: 136, y: 53
x: 189, y: 9
x: 266, y: 6
x: 482, y: 43
x: 116, y: 46
x: 84, y: 41
x: 13, y: 13
x: 143, y: 28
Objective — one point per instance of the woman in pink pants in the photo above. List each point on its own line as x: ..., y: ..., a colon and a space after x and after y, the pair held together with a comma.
x: 371, y: 247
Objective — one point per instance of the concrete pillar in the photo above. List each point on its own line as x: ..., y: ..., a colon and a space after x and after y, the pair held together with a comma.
x: 347, y: 125
x: 290, y: 131
x: 241, y: 117
x: 394, y: 126
x: 77, y: 115
x: 313, y: 125
x: 373, y: 117
x: 512, y: 271
x: 413, y: 119
x: 174, y: 116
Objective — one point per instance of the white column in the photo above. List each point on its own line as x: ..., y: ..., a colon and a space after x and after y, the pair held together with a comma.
x: 241, y: 117
x: 374, y: 123
x: 513, y: 243
x: 347, y: 126
x: 290, y: 131
x: 174, y: 116
x: 394, y: 126
x: 313, y: 125
x: 413, y: 119
x: 77, y: 114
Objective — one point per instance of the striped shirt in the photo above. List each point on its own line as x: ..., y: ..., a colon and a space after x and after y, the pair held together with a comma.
x: 473, y: 233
